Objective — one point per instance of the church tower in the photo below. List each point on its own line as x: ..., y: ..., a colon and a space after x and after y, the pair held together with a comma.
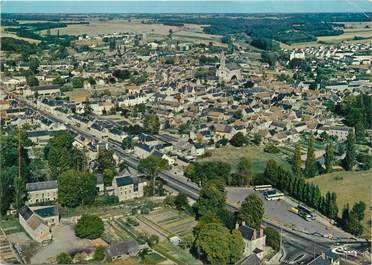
x: 222, y: 61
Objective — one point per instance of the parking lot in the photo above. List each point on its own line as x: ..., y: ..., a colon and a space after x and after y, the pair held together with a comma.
x: 277, y: 212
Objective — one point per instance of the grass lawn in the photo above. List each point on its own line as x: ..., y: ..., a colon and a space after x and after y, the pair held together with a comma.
x: 256, y: 154
x: 350, y: 187
x: 10, y: 225
x: 175, y: 254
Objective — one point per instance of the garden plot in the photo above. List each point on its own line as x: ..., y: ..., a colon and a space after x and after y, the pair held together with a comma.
x: 171, y: 222
x: 114, y: 232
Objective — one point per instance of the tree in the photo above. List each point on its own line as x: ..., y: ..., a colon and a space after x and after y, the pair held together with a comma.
x: 359, y: 131
x: 76, y: 188
x: 271, y: 171
x: 58, y: 81
x: 112, y: 44
x: 32, y: 80
x: 329, y: 157
x: 238, y: 140
x: 106, y: 165
x: 19, y: 192
x: 64, y: 258
x: 77, y: 82
x: 34, y: 64
x: 99, y: 254
x: 151, y: 123
x: 181, y: 202
x: 269, y: 57
x: 62, y: 155
x: 218, y: 245
x: 127, y: 143
x: 244, y: 169
x: 152, y: 166
x: 88, y: 110
x: 331, y: 208
x: 353, y: 225
x: 153, y: 240
x: 257, y: 138
x: 236, y: 246
x: 358, y: 210
x: 349, y: 160
x: 252, y: 211
x: 89, y: 226
x: 91, y: 80
x: 121, y: 74
x: 296, y: 161
x: 310, y: 164
x: 211, y: 200
x: 11, y: 182
x: 201, y: 173
x: 272, y: 238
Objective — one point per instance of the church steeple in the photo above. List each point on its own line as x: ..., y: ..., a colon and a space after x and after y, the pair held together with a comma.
x: 222, y: 61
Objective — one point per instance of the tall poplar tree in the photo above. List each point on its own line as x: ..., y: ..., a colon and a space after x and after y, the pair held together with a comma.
x: 329, y: 157
x: 296, y: 162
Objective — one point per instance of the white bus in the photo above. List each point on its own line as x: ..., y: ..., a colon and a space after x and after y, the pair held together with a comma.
x: 262, y: 187
x: 273, y: 195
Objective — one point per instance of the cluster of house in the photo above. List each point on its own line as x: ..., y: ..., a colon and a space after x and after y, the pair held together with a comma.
x: 41, y: 213
x: 344, y: 53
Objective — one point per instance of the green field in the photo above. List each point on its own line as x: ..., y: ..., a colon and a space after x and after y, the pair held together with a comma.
x: 350, y: 187
x: 256, y: 154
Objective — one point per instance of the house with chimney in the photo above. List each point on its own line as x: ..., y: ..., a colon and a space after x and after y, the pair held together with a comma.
x: 254, y: 240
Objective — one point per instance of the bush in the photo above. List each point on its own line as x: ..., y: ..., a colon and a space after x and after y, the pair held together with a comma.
x: 77, y: 82
x: 153, y: 240
x: 238, y: 140
x: 89, y: 226
x: 270, y: 148
x: 106, y: 200
x: 272, y: 238
x: 99, y: 254
x: 64, y: 258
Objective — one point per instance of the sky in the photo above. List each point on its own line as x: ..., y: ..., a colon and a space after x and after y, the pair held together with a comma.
x: 184, y: 6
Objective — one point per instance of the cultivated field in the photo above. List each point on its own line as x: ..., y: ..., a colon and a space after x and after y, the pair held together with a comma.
x: 256, y: 154
x: 171, y: 222
x: 352, y: 29
x: 350, y: 187
x: 349, y: 34
x: 188, y: 32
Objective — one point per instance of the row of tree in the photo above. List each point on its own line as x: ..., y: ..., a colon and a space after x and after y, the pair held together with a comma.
x: 202, y: 172
x: 311, y: 165
x: 310, y: 194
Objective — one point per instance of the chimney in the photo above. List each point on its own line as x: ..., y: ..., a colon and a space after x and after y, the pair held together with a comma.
x: 254, y: 234
x: 261, y: 232
x: 237, y: 225
x: 323, y: 255
x: 243, y: 223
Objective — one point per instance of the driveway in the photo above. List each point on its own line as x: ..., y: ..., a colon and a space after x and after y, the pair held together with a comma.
x: 64, y: 240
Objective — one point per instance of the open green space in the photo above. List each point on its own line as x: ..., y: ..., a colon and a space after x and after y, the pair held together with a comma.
x: 256, y: 154
x: 350, y: 187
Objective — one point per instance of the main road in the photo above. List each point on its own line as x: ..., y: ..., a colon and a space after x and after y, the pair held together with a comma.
x: 295, y: 245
